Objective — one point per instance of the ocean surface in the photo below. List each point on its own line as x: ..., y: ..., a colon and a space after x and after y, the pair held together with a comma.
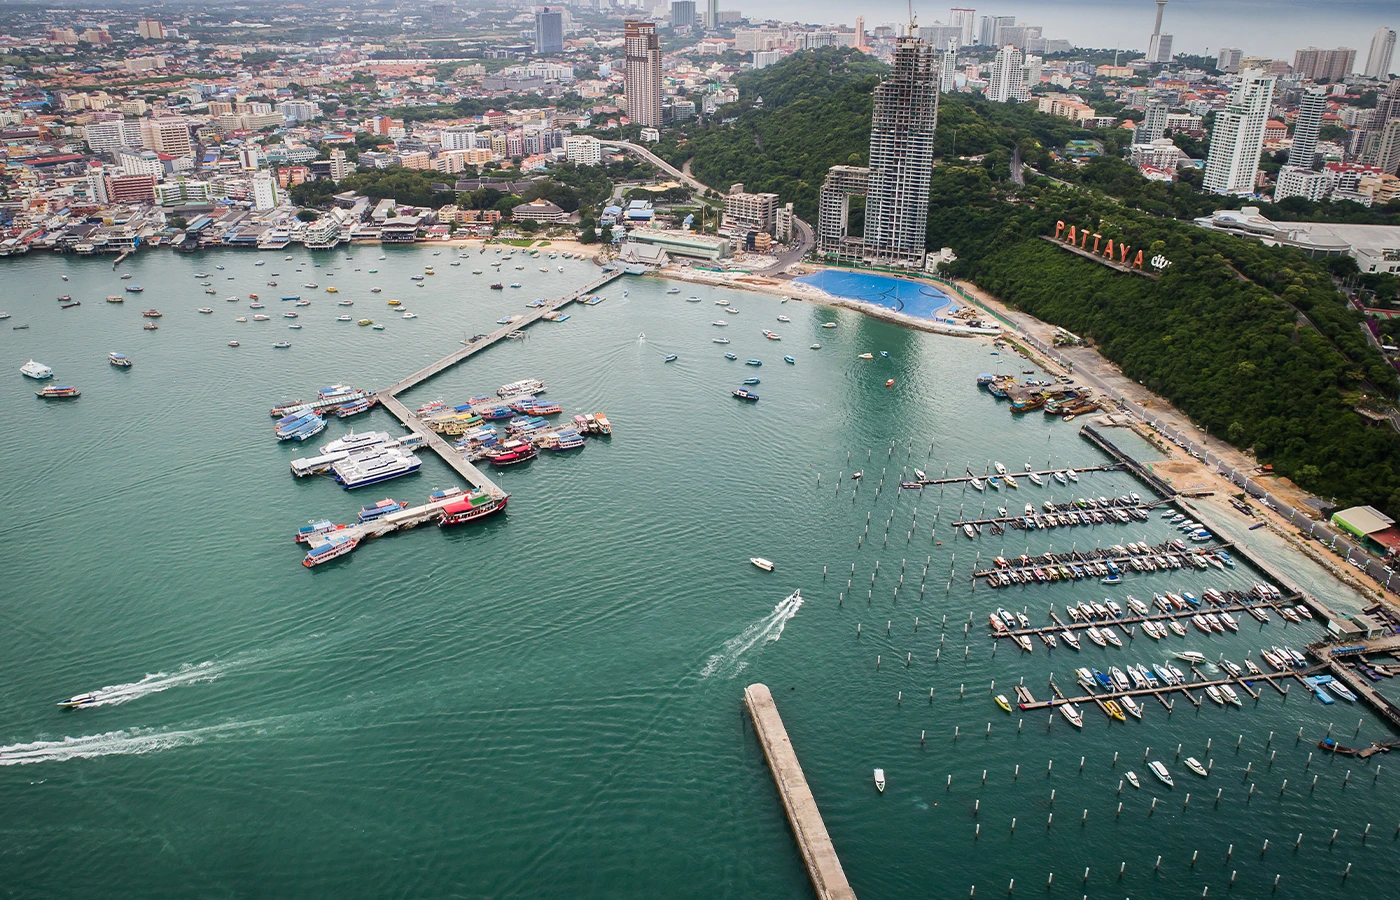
x: 549, y: 704
x: 1260, y: 27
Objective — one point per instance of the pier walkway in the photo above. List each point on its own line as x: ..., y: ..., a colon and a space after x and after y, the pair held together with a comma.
x: 823, y: 866
x: 1161, y: 692
x: 1045, y: 473
x: 388, y: 398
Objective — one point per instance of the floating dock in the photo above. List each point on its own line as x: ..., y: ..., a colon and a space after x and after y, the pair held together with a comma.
x: 388, y: 397
x: 963, y: 479
x: 823, y: 866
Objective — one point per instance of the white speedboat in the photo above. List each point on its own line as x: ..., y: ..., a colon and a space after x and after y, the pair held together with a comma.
x: 1191, y: 656
x: 880, y: 780
x: 1068, y: 637
x: 1133, y: 779
x: 1072, y: 715
x: 79, y: 701
x: 1194, y: 765
x: 1161, y: 772
x: 35, y: 370
x: 1130, y: 706
x: 765, y: 565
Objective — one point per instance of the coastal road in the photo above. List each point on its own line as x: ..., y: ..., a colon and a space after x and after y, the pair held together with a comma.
x: 1090, y: 368
x: 643, y: 153
x: 803, y: 243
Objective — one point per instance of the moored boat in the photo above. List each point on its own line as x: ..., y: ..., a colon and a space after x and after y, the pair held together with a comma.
x: 334, y: 546
x: 473, y: 505
x: 59, y: 392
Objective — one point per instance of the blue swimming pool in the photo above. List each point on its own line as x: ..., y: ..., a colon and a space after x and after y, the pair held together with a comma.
x: 909, y: 297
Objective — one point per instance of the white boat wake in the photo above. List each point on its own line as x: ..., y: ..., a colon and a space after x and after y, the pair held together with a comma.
x: 155, y: 684
x: 729, y: 658
x: 111, y: 743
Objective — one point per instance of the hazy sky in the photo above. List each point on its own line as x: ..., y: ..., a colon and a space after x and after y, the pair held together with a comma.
x: 1259, y: 27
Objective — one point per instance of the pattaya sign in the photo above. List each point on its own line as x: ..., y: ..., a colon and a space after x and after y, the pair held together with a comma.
x: 1096, y: 244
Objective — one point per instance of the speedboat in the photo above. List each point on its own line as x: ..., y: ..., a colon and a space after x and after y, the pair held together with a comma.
x: 1068, y: 637
x: 1230, y: 695
x: 1133, y: 779
x: 1191, y: 656
x: 1003, y: 702
x: 880, y: 780
x: 80, y: 701
x: 1072, y: 715
x: 35, y: 370
x: 1131, y: 707
x: 1214, y: 694
x: 1194, y: 765
x: 764, y: 564
x: 1161, y: 772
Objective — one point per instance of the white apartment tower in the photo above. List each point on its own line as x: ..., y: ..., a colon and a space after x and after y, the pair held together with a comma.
x: 1008, y: 78
x: 643, y: 75
x: 948, y: 68
x: 1310, y: 111
x: 264, y: 191
x: 966, y: 19
x: 1238, y: 137
x: 1382, y: 52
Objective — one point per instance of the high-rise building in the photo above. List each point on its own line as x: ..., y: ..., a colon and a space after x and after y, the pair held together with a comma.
x: 1229, y: 59
x: 1371, y: 144
x: 682, y: 13
x: 1310, y: 110
x: 712, y: 14
x: 642, y: 81
x: 948, y: 68
x: 264, y: 191
x: 169, y: 135
x: 966, y: 19
x: 1382, y: 52
x: 988, y: 35
x: 1232, y: 164
x: 762, y: 59
x: 106, y: 137
x: 1159, y: 46
x: 1154, y: 123
x: 150, y: 29
x: 1324, y: 65
x: 860, y: 31
x: 896, y: 185
x: 1008, y: 79
x: 549, y: 31
x: 340, y: 166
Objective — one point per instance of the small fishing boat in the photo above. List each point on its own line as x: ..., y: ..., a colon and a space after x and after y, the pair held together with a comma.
x: 789, y: 360
x: 880, y: 780
x: 751, y: 381
x: 233, y: 343
x: 150, y: 326
x: 1194, y: 765
x: 753, y: 362
x: 1161, y: 772
x: 1003, y: 702
x: 745, y: 395
x: 764, y: 564
x: 866, y: 356
x: 828, y: 324
x: 730, y: 356
x: 670, y: 357
x: 720, y: 340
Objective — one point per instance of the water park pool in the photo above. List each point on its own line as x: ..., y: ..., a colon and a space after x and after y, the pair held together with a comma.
x: 909, y: 297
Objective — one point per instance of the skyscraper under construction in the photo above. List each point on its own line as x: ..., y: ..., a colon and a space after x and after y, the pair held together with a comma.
x: 896, y: 184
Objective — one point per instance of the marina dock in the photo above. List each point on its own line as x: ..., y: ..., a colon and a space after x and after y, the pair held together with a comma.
x: 1047, y: 473
x: 1165, y: 690
x: 819, y: 854
x: 388, y: 397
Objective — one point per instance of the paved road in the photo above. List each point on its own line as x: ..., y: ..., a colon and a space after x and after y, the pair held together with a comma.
x: 1228, y: 462
x: 639, y: 151
x: 799, y: 249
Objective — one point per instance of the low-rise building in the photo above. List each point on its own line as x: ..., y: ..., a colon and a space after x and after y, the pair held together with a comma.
x: 539, y: 211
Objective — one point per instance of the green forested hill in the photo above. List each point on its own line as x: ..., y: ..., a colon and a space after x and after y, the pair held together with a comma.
x: 1254, y: 343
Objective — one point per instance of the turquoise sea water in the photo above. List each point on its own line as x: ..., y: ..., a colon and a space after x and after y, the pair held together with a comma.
x: 912, y: 298
x: 550, y: 703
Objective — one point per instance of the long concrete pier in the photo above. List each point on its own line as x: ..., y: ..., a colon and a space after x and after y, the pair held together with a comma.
x: 388, y: 398
x: 824, y: 868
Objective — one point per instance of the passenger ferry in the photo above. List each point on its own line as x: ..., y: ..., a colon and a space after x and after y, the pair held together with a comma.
x: 372, y: 468
x: 334, y: 546
x: 119, y: 359
x: 382, y: 508
x: 471, y: 506
x: 36, y: 370
x: 518, y: 388
x: 313, y: 530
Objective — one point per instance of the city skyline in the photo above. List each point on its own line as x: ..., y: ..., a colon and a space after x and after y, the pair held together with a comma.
x: 1261, y: 27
